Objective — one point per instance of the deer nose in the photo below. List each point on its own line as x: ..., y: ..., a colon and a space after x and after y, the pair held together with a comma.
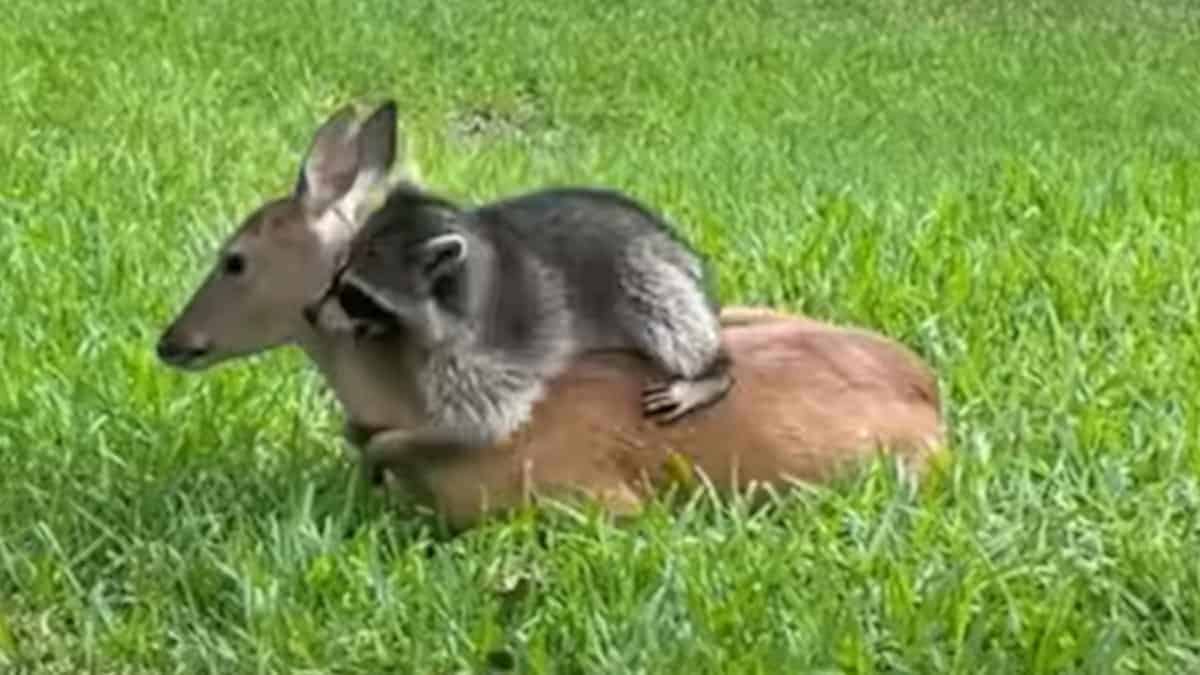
x: 177, y: 352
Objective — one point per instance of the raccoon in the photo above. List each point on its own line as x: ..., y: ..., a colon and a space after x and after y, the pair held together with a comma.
x: 486, y: 304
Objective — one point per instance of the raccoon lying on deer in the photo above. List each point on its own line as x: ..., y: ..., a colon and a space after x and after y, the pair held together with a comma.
x: 488, y: 304
x: 811, y: 400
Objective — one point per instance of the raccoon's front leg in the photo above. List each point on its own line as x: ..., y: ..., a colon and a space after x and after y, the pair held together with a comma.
x: 670, y: 319
x: 394, y: 448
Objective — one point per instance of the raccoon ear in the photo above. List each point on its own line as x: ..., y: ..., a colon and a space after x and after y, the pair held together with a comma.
x: 442, y: 255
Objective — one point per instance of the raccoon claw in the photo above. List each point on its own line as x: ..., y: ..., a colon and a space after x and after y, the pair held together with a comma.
x: 669, y: 415
x: 671, y: 400
x: 658, y: 398
x: 665, y: 401
x: 379, y: 454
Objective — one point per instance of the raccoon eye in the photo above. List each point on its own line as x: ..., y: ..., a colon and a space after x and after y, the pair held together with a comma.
x: 234, y: 264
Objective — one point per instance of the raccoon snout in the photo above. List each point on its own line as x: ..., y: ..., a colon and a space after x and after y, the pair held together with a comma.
x: 312, y: 312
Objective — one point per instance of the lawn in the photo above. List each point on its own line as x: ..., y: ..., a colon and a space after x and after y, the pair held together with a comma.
x: 1014, y: 193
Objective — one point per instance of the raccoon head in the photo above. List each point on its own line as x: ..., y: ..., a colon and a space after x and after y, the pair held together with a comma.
x: 398, y: 271
x: 383, y: 290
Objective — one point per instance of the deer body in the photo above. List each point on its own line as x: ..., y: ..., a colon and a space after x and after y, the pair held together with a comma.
x: 813, y: 401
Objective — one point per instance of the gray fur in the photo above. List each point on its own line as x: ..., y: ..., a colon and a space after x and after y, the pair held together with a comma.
x: 545, y: 277
x: 657, y: 307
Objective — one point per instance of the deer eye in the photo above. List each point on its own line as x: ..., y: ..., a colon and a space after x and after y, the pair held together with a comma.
x: 234, y: 264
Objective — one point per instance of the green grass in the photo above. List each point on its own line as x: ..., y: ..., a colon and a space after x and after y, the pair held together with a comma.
x: 1014, y: 193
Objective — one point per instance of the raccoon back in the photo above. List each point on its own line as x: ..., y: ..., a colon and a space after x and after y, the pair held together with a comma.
x: 588, y: 242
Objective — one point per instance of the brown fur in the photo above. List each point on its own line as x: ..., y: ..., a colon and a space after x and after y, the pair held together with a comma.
x: 811, y: 401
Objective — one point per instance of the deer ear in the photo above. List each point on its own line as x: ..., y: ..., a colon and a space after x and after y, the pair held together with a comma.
x: 441, y: 255
x: 331, y: 165
x: 377, y: 143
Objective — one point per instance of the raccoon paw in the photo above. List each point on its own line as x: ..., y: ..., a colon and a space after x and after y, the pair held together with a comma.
x: 379, y: 454
x: 665, y: 401
x: 669, y: 400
